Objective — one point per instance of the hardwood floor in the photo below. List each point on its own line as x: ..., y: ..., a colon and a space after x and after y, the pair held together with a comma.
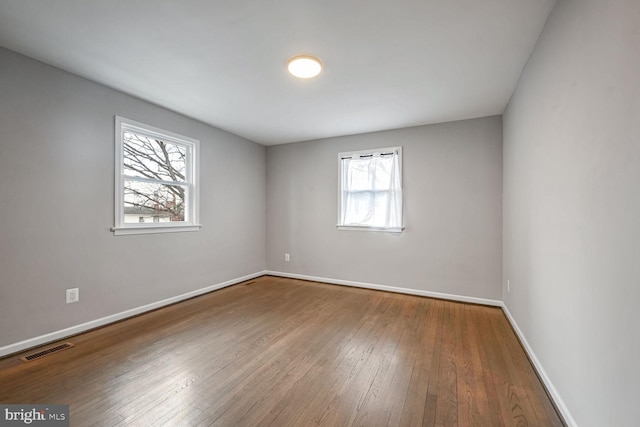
x: 284, y: 352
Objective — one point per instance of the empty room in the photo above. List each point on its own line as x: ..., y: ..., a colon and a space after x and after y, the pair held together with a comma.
x: 336, y: 213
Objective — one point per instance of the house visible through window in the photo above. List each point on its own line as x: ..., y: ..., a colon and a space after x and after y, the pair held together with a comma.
x: 156, y: 186
x: 371, y: 190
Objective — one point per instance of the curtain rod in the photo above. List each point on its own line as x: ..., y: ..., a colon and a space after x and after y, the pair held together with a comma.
x: 368, y: 155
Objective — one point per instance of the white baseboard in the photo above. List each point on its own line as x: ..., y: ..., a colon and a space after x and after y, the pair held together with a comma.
x: 564, y: 411
x: 64, y: 333
x: 408, y: 291
x: 74, y: 330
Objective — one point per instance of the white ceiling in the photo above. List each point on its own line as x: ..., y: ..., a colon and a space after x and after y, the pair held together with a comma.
x: 388, y: 64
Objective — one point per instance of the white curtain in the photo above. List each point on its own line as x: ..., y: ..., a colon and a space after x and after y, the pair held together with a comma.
x: 371, y: 191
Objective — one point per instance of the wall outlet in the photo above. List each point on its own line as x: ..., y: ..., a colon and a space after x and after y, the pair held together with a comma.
x: 508, y: 286
x: 73, y: 295
x: 287, y: 257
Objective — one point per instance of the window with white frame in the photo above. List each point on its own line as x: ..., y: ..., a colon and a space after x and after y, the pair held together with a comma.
x: 156, y: 188
x: 370, y: 194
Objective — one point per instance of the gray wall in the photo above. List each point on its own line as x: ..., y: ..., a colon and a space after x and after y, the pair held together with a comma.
x: 453, y: 202
x: 56, y: 205
x: 572, y: 207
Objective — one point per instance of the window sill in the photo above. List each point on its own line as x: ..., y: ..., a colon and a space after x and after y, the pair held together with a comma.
x: 365, y: 228
x: 123, y: 231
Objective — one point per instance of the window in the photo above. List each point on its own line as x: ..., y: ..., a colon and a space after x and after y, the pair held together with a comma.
x: 156, y: 180
x: 370, y: 195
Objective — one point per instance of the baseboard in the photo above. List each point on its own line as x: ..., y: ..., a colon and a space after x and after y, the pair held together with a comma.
x: 74, y: 330
x: 555, y: 397
x: 557, y: 400
x: 409, y: 291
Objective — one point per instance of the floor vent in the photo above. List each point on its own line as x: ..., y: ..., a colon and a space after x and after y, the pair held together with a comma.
x: 46, y: 352
x: 249, y: 283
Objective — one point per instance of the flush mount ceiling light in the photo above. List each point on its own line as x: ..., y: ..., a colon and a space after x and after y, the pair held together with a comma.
x: 304, y: 66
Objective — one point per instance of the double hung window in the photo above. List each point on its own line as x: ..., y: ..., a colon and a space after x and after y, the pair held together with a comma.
x: 156, y: 180
x: 370, y: 194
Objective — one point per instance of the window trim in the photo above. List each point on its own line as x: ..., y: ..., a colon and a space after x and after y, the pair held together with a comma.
x: 192, y: 207
x: 341, y: 156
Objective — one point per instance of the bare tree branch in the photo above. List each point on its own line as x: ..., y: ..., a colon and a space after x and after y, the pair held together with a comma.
x: 157, y: 160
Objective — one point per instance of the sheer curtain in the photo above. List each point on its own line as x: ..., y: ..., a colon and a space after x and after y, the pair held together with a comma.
x: 372, y: 190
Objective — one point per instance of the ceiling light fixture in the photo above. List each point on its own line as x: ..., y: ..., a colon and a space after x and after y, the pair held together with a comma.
x: 304, y: 66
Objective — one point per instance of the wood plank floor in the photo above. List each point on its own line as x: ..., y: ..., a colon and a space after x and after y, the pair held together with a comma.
x: 284, y: 352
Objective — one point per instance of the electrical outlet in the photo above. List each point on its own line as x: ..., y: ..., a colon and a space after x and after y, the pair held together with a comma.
x: 508, y: 286
x: 73, y: 295
x: 287, y: 257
